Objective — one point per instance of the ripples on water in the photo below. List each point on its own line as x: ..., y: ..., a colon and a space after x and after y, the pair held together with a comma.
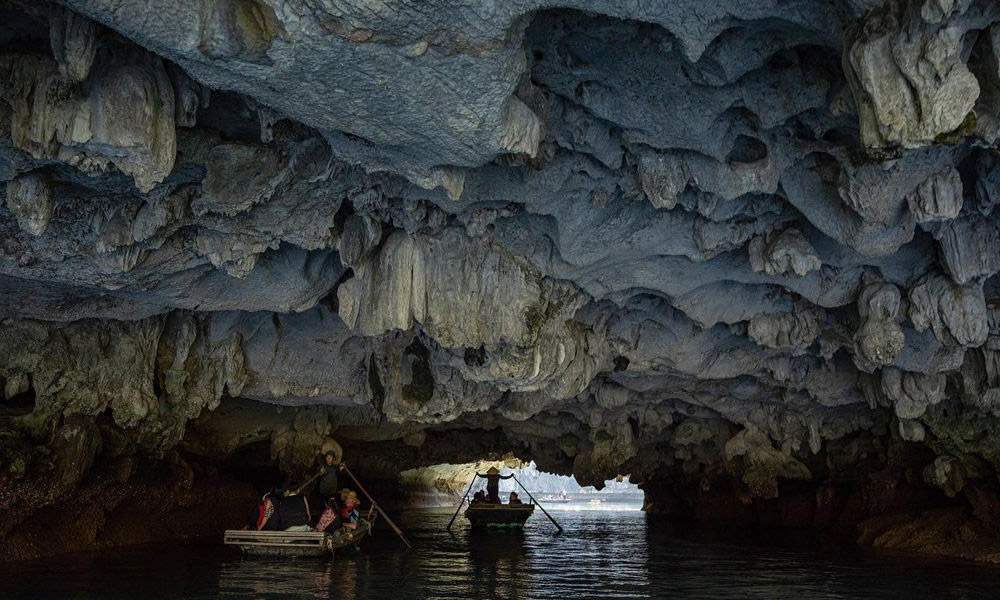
x: 600, y: 555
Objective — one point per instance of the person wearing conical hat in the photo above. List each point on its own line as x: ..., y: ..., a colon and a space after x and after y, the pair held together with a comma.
x: 493, y: 485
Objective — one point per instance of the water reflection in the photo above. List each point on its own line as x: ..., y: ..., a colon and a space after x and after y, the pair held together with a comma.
x: 261, y: 578
x: 600, y: 555
x: 498, y: 563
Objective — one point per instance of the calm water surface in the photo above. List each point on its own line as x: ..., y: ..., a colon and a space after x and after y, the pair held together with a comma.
x: 600, y: 555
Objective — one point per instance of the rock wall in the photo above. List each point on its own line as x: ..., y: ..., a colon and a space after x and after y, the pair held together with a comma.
x: 706, y: 245
x: 122, y: 501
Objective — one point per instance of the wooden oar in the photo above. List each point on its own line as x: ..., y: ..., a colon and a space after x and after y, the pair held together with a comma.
x: 398, y: 531
x: 536, y: 502
x: 306, y: 484
x: 462, y: 501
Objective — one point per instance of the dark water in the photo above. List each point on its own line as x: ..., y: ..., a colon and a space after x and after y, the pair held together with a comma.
x: 600, y: 555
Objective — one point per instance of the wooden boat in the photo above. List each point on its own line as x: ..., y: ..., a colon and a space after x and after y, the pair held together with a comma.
x: 297, y: 543
x: 498, y: 515
x: 483, y: 515
x: 556, y: 499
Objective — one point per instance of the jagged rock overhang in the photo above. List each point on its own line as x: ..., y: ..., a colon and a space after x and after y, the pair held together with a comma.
x: 629, y: 240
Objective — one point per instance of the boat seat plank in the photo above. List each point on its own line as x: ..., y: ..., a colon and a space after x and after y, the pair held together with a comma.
x: 275, y: 545
x: 265, y: 534
x: 282, y: 544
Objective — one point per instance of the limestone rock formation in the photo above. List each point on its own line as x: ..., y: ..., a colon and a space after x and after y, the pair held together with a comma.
x: 911, y: 393
x: 906, y: 70
x: 956, y: 314
x: 793, y: 331
x: 765, y: 464
x: 742, y: 248
x: 939, y: 198
x: 74, y: 40
x: 787, y: 253
x: 29, y: 199
x: 122, y: 115
x: 880, y: 339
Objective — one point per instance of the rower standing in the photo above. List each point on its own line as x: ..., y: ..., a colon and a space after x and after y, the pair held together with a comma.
x: 328, y: 480
x: 493, y: 486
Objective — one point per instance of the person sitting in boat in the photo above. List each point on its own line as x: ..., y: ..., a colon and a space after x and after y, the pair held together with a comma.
x: 329, y: 520
x: 479, y: 497
x: 349, y: 514
x: 264, y: 511
x: 514, y: 499
x: 270, y: 515
x: 294, y: 510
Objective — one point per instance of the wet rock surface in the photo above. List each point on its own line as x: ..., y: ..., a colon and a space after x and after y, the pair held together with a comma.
x: 729, y: 249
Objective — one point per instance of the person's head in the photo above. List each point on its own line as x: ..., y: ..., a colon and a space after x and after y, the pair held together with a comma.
x: 292, y: 489
x: 331, y: 503
x: 329, y: 459
x: 513, y: 495
x: 350, y: 499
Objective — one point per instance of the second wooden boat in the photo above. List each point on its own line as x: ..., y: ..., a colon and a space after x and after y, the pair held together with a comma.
x: 498, y: 515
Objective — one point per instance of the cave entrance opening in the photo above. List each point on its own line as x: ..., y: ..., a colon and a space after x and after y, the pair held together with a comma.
x: 444, y: 484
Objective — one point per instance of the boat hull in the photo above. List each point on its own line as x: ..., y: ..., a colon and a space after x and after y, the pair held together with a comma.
x: 257, y: 550
x: 498, y: 515
x: 281, y: 543
x: 296, y: 543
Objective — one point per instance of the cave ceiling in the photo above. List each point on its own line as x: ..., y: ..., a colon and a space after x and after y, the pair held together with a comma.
x: 622, y: 235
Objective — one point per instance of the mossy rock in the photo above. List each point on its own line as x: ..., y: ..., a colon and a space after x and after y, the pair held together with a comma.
x: 603, y: 436
x: 967, y: 128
